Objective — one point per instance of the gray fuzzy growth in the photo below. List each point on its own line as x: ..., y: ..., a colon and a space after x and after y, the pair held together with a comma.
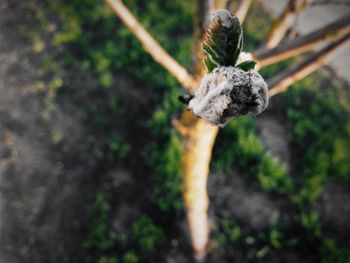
x: 226, y: 18
x: 229, y: 92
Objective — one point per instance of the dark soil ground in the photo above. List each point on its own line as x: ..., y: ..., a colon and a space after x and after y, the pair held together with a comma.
x: 46, y: 185
x: 43, y: 184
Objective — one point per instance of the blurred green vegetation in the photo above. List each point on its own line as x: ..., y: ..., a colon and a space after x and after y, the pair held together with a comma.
x: 100, y: 238
x: 255, y: 28
x: 239, y: 147
x: 105, y: 245
x: 85, y: 38
x: 256, y: 245
x: 320, y: 140
x: 321, y: 133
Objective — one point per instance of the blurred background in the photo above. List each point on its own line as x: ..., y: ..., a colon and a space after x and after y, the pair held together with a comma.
x: 90, y: 164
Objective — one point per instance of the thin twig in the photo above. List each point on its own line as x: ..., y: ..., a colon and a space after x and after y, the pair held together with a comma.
x: 220, y: 4
x: 241, y: 9
x: 283, y: 80
x: 302, y: 44
x: 327, y: 2
x: 152, y: 46
x: 284, y: 22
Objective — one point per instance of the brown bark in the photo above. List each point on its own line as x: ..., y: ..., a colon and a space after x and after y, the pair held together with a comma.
x: 302, y: 44
x: 283, y: 80
x: 199, y: 138
x: 284, y: 22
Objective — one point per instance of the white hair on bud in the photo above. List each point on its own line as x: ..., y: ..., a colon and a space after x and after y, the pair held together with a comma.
x: 260, y: 91
x: 229, y: 92
x: 224, y: 16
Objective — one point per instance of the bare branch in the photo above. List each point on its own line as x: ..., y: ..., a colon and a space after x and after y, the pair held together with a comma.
x: 241, y: 9
x: 334, y: 2
x: 152, y: 46
x: 302, y: 44
x: 198, y: 147
x: 181, y: 128
x: 229, y: 5
x: 283, y: 80
x: 285, y: 21
x: 220, y: 4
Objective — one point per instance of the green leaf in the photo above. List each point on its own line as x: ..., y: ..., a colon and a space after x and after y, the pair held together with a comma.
x: 210, y: 65
x: 223, y: 40
x: 247, y: 65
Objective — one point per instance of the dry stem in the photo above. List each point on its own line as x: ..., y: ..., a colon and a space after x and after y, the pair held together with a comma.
x: 285, y: 21
x: 283, y: 80
x: 241, y: 9
x: 302, y: 44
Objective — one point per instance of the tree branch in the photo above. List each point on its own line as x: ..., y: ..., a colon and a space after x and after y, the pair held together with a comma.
x: 302, y: 44
x: 334, y: 2
x: 152, y: 46
x: 220, y: 4
x: 199, y: 140
x: 283, y: 80
x: 285, y: 21
x: 241, y: 9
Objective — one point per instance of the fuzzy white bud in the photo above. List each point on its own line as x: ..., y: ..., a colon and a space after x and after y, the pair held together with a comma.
x: 229, y: 92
